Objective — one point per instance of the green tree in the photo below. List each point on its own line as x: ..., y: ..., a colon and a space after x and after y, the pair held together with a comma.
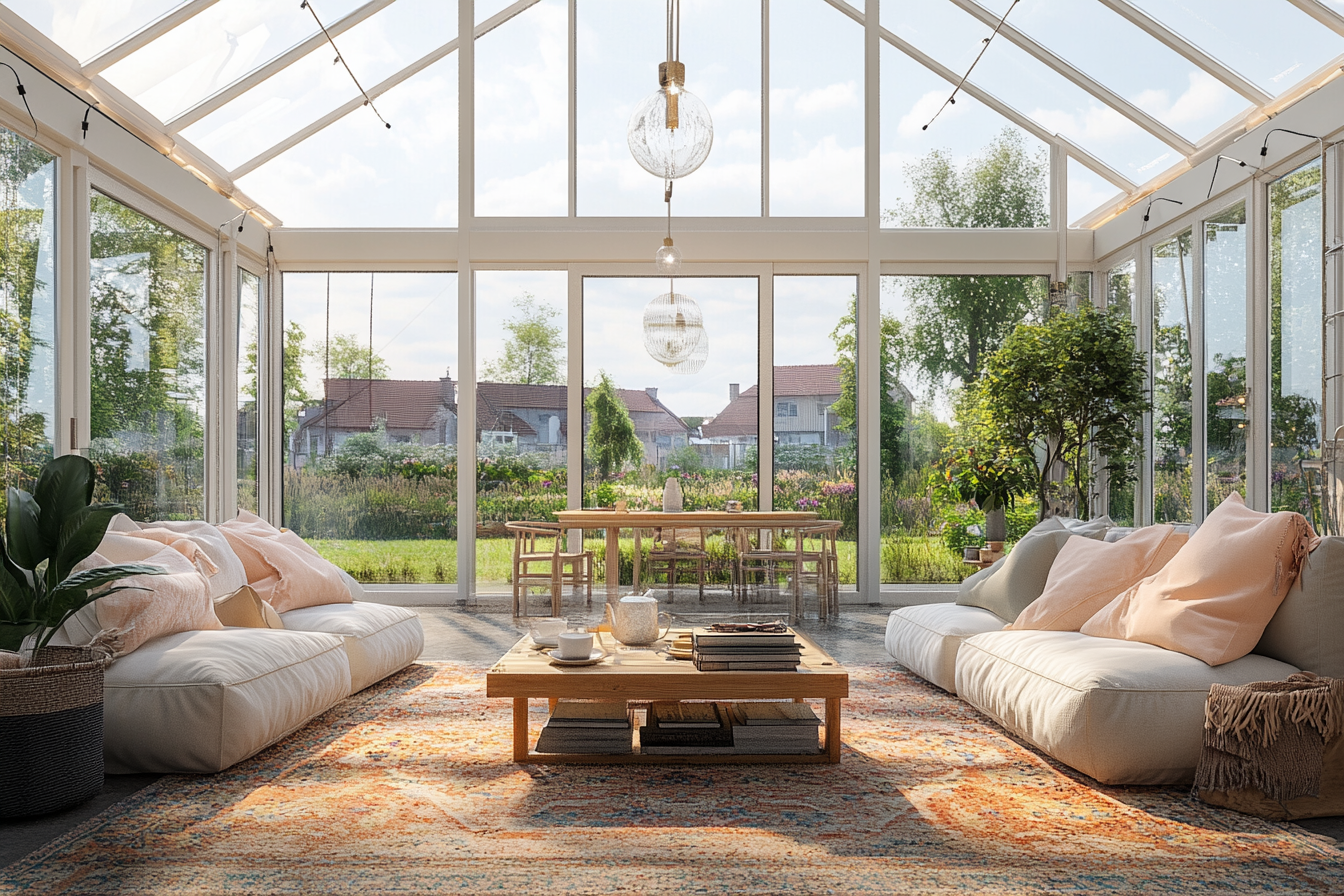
x: 953, y: 323
x: 891, y: 417
x: 1058, y: 389
x: 612, y: 442
x: 534, y: 351
x: 344, y: 357
x: 296, y: 394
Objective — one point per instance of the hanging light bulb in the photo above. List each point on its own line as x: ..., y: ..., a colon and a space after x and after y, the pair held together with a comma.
x: 667, y: 258
x: 671, y: 132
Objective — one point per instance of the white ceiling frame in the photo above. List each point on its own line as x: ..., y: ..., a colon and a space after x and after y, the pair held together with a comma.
x: 1023, y: 121
x: 146, y: 35
x: 1321, y: 13
x: 1086, y: 82
x: 274, y: 66
x: 1228, y: 76
x: 376, y: 91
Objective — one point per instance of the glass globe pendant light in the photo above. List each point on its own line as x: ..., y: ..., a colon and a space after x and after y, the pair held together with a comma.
x: 671, y: 132
x: 673, y: 328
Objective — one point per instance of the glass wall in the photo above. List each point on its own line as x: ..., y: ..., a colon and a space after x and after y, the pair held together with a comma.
x: 1225, y: 354
x: 147, y: 363
x: 816, y: 428
x: 249, y: 319
x: 522, y: 415
x: 27, y: 308
x: 1120, y: 293
x: 666, y: 399
x: 370, y: 421
x: 1172, y: 444
x: 1294, y: 333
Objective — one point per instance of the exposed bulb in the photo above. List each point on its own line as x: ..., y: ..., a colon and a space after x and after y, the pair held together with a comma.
x: 667, y: 258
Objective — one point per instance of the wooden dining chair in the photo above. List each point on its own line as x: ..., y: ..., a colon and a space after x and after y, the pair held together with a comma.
x: 762, y: 554
x: 816, y: 561
x: 539, y: 560
x: 676, y: 550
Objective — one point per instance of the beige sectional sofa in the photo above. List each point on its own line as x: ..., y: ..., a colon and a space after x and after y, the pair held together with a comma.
x: 1122, y: 712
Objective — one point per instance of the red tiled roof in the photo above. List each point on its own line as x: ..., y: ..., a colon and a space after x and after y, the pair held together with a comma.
x: 405, y: 404
x: 807, y: 379
x: 738, y: 419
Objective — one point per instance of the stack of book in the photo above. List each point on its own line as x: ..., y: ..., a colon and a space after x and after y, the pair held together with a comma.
x: 687, y: 729
x: 579, y: 727
x: 771, y: 728
x: 746, y: 651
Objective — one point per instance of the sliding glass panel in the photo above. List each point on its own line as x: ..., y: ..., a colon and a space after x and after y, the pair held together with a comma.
x: 249, y: 319
x: 147, y: 363
x: 816, y: 428
x: 1172, y: 445
x: 1225, y: 353
x: 370, y: 421
x: 1294, y: 333
x: 522, y: 415
x: 1120, y: 292
x: 693, y: 420
x: 946, y: 327
x: 28, y: 313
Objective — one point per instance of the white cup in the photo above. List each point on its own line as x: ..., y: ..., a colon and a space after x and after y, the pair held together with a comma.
x: 575, y: 645
x: 545, y: 630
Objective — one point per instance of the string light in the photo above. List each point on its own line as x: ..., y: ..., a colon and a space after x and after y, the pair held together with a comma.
x: 984, y: 45
x: 368, y: 100
x: 23, y: 95
x: 1148, y: 210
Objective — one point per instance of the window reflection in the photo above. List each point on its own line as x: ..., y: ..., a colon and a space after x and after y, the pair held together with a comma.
x: 1225, y: 353
x: 1172, y: 438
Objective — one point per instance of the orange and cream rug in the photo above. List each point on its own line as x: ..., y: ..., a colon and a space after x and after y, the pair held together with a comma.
x: 408, y: 788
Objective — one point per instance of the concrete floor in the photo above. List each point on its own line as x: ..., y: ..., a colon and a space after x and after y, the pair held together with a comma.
x: 477, y: 638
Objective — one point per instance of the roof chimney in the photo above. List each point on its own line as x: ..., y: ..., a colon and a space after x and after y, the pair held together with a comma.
x: 447, y: 391
x: 653, y: 392
x: 732, y: 391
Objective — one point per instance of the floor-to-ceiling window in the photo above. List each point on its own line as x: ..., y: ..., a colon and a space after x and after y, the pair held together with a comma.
x: 147, y: 363
x: 27, y: 308
x: 246, y: 329
x: 1171, y: 444
x: 370, y: 421
x: 1120, y: 294
x: 1225, y: 382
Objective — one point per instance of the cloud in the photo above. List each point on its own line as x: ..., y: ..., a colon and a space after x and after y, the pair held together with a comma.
x: 541, y: 191
x: 737, y: 102
x: 827, y: 99
x: 1098, y: 124
x: 912, y: 123
x: 827, y: 180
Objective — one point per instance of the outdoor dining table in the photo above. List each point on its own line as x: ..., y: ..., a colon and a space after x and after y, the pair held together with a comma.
x: 613, y: 521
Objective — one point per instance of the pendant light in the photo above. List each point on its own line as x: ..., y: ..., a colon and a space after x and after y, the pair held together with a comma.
x: 673, y: 328
x: 670, y: 133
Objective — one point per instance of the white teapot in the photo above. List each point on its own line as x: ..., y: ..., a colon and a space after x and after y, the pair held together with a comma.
x: 634, y: 620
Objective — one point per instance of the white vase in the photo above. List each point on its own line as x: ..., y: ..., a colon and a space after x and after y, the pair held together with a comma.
x: 672, y: 495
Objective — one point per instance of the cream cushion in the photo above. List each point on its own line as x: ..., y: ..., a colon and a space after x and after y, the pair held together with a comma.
x: 1308, y: 628
x: 198, y: 702
x: 1088, y: 574
x: 379, y: 639
x: 243, y: 609
x: 1123, y: 712
x: 1215, y: 597
x: 286, y: 572
x: 231, y: 575
x: 1008, y: 586
x: 925, y: 638
x: 1097, y: 527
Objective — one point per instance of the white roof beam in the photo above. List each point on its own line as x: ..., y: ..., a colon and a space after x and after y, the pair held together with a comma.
x: 146, y: 35
x: 1156, y: 29
x: 1087, y: 83
x: 376, y: 91
x: 1321, y: 13
x: 231, y: 92
x: 1023, y: 121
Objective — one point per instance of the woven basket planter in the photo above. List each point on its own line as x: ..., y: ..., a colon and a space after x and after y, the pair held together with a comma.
x: 51, y: 731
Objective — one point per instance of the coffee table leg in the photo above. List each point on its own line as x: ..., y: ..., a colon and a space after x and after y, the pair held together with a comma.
x: 832, y: 728
x: 520, y: 729
x: 613, y: 561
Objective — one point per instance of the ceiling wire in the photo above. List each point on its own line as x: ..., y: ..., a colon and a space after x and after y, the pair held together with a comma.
x: 23, y: 95
x: 984, y: 45
x: 368, y: 100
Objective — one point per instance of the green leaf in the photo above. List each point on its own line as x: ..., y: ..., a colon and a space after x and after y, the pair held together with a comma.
x: 102, y: 575
x: 23, y: 529
x: 80, y: 536
x: 64, y: 487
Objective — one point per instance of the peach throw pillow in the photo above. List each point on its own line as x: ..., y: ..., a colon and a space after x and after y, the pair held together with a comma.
x: 1088, y: 574
x: 162, y: 605
x: 1215, y: 597
x: 281, y: 567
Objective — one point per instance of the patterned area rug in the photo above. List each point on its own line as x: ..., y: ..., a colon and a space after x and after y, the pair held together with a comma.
x: 407, y: 788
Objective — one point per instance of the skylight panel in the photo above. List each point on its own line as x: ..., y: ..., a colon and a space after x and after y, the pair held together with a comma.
x: 305, y: 91
x: 1087, y: 192
x: 214, y: 49
x: 85, y: 29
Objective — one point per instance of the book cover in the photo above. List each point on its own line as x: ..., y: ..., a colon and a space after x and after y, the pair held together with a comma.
x: 721, y: 736
x: 685, y: 750
x: 744, y: 639
x: 601, y: 714
x: 720, y: 656
x: 553, y: 740
x: 775, y: 715
x: 733, y: 666
x: 675, y: 714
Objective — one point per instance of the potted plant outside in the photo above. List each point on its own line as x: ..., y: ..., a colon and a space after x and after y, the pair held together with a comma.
x: 992, y: 480
x: 51, y: 700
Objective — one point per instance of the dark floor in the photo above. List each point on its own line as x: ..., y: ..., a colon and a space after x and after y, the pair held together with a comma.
x: 479, y: 638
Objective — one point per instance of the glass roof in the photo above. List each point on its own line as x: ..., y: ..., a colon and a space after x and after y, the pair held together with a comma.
x: 1135, y: 85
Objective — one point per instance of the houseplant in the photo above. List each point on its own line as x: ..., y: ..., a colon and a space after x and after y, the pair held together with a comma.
x: 51, y: 703
x: 992, y: 479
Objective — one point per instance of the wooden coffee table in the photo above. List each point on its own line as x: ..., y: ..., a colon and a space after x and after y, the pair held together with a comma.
x: 526, y: 673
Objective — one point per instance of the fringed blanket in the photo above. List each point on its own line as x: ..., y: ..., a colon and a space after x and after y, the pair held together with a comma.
x: 1270, y: 736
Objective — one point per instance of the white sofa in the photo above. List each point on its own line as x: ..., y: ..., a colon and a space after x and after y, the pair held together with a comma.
x: 1122, y: 712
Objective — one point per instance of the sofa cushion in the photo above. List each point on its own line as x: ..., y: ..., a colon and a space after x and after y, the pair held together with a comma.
x: 1097, y: 527
x: 1123, y: 712
x: 925, y: 638
x: 1088, y: 574
x: 284, y: 569
x: 244, y: 609
x: 231, y: 575
x: 1011, y: 583
x: 379, y: 639
x: 1308, y: 628
x: 201, y: 701
x: 1215, y: 597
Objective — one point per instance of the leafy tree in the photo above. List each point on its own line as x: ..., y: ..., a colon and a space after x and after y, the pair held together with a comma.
x: 953, y: 323
x: 534, y: 351
x: 344, y: 357
x: 296, y: 394
x: 612, y: 442
x: 1056, y: 389
x: 891, y: 418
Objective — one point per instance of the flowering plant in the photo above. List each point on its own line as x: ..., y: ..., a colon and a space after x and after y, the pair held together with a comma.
x: 991, y: 481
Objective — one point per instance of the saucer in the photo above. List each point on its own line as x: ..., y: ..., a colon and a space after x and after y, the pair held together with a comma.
x: 545, y: 642
x: 595, y: 657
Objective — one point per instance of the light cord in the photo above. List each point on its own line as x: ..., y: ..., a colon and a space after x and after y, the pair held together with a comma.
x: 23, y: 95
x: 368, y: 100
x: 952, y: 100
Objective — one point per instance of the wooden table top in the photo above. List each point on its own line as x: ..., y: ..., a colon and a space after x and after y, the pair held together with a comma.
x: 650, y: 674
x: 604, y: 519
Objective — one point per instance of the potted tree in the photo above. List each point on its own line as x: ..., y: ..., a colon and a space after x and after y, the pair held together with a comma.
x: 51, y: 698
x: 993, y: 479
